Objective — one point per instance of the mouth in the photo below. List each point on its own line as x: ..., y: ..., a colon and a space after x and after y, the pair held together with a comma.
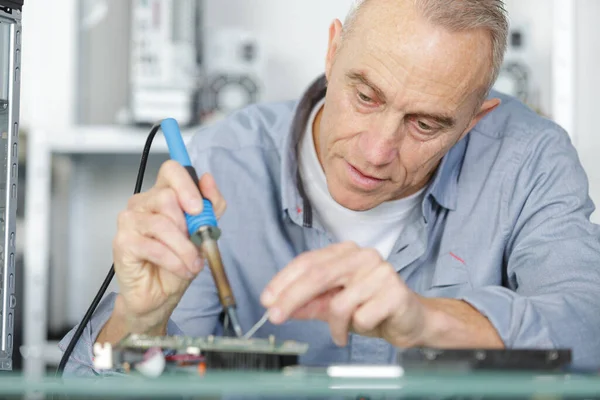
x: 362, y: 180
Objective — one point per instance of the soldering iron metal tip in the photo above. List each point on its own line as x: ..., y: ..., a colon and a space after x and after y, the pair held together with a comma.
x: 234, y: 321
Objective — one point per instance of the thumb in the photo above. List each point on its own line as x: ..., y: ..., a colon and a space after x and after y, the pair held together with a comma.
x: 210, y: 191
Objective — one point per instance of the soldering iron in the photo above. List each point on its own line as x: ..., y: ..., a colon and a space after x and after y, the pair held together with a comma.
x: 202, y: 228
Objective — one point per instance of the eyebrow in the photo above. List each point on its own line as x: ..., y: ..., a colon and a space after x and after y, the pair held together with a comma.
x: 357, y: 76
x: 445, y: 120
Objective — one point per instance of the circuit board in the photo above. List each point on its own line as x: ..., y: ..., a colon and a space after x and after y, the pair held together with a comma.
x: 155, y: 353
x: 214, y: 343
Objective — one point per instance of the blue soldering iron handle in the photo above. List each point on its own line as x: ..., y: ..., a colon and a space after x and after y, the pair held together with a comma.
x: 178, y: 152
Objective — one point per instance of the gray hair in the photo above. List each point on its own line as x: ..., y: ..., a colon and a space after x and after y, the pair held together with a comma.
x: 461, y: 15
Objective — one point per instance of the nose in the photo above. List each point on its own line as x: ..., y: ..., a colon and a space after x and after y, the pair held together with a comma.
x: 380, y: 144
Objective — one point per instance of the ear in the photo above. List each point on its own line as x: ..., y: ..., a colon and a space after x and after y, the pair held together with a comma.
x: 335, y: 36
x: 487, y: 107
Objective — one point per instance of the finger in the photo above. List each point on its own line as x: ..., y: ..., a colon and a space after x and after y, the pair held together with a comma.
x: 161, y: 228
x: 161, y: 201
x: 317, y: 308
x: 300, y: 266
x: 364, y: 287
x: 321, y: 278
x: 209, y: 189
x: 176, y: 177
x: 374, y: 312
x: 136, y: 249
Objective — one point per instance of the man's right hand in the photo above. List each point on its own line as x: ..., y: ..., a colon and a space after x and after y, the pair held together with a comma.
x: 155, y: 261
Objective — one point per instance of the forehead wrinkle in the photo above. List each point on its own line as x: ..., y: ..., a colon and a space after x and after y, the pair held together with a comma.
x: 426, y: 81
x: 402, y: 71
x: 401, y: 85
x: 397, y: 26
x: 398, y: 80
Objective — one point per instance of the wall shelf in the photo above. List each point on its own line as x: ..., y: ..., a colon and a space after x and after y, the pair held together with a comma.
x: 108, y: 140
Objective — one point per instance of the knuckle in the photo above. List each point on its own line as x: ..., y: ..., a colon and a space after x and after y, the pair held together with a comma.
x: 120, y: 241
x: 386, y: 271
x: 338, y: 308
x: 167, y: 199
x: 124, y: 218
x: 362, y: 323
x: 167, y: 168
x: 371, y: 254
x: 133, y: 201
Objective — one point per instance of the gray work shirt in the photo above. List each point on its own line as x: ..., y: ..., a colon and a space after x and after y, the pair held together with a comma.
x: 505, y: 227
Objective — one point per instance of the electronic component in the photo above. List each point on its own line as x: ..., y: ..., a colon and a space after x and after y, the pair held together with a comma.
x: 165, y: 72
x: 484, y: 359
x: 208, y: 353
x: 235, y: 69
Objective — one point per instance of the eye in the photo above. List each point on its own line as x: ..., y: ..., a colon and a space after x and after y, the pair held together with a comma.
x: 364, y: 98
x: 424, y: 127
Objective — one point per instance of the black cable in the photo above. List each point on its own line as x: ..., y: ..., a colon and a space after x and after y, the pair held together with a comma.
x: 111, y: 273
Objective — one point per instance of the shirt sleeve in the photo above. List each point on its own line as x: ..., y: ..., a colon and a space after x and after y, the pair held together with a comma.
x: 81, y: 360
x: 552, y: 257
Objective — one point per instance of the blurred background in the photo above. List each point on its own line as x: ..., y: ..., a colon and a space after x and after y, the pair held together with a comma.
x: 97, y: 73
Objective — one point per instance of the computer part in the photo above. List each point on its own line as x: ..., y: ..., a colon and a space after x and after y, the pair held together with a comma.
x: 235, y: 68
x: 165, y: 70
x: 484, y: 359
x: 10, y: 81
x: 150, y: 355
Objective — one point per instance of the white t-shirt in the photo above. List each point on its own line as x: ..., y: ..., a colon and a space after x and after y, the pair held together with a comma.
x: 377, y: 228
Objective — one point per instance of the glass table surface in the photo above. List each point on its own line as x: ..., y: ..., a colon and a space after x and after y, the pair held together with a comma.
x: 311, y: 384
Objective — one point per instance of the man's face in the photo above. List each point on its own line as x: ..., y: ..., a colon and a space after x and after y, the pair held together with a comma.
x: 401, y: 92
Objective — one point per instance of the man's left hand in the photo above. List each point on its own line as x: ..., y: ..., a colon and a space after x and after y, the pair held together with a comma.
x: 352, y: 289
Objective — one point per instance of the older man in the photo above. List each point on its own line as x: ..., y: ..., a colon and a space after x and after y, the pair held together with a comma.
x: 399, y: 203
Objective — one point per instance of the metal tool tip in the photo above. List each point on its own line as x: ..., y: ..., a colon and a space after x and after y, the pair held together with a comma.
x: 235, y: 322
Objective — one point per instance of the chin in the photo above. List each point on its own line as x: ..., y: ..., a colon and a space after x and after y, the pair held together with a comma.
x: 352, y: 200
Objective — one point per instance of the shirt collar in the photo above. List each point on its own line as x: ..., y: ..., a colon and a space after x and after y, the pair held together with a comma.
x: 443, y: 188
x: 292, y: 192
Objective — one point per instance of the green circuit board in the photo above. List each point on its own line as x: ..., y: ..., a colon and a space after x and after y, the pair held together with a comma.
x: 214, y: 344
